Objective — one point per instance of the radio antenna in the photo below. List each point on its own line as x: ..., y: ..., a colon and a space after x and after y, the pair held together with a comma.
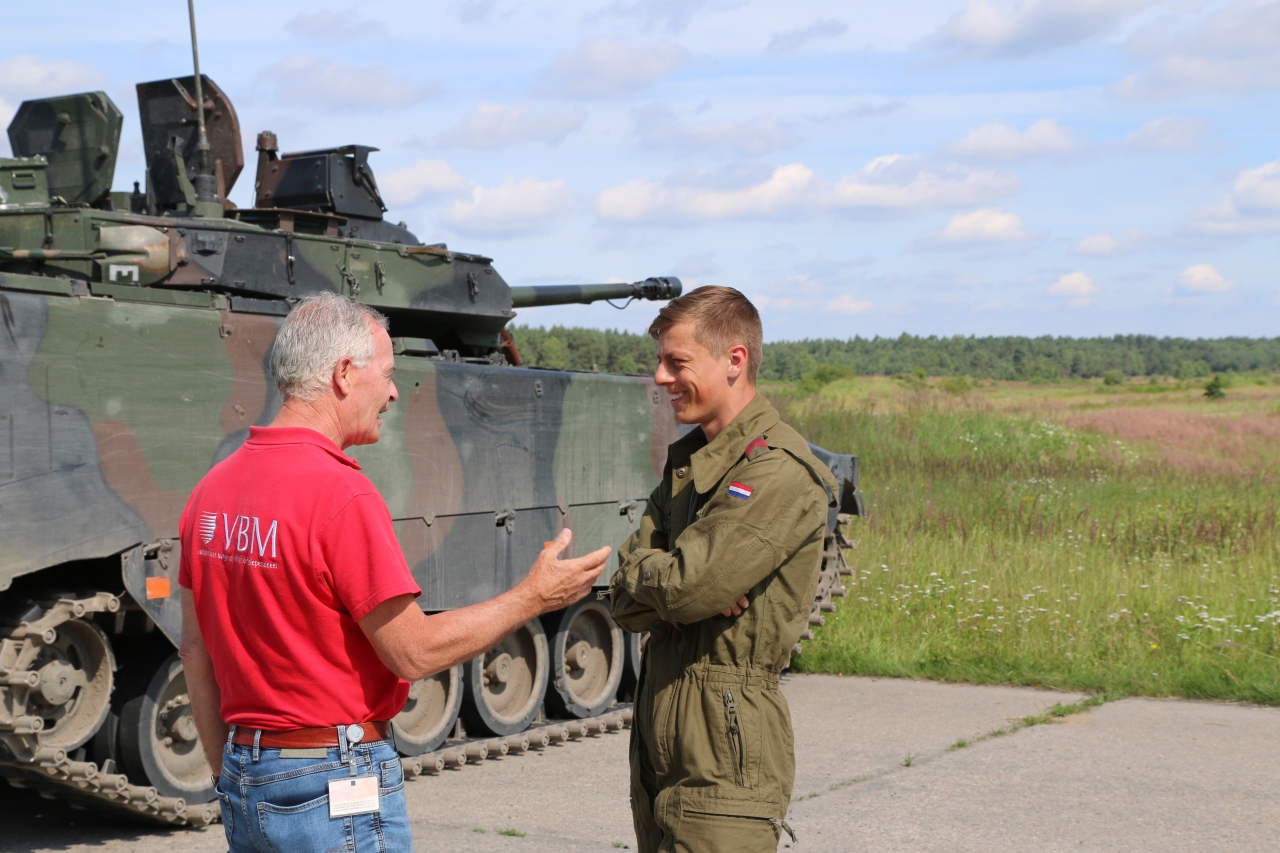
x: 206, y: 184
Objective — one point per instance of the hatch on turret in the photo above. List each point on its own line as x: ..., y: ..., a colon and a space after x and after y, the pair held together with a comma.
x: 167, y: 109
x: 336, y: 183
x: 78, y: 135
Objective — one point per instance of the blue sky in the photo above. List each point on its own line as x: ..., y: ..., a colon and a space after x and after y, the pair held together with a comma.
x: 1066, y: 167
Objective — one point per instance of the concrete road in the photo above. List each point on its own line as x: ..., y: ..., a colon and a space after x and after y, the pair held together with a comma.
x: 881, y: 766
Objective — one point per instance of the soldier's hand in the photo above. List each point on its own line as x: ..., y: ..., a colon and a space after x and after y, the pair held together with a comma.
x: 559, y: 583
x: 735, y: 609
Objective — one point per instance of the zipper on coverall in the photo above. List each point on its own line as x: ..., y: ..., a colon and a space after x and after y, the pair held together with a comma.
x: 735, y: 736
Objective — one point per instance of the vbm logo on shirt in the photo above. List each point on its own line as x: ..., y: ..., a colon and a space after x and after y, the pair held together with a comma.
x: 241, y: 534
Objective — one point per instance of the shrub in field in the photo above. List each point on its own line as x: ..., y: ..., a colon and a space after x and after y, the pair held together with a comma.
x: 823, y: 375
x: 1113, y: 377
x: 1213, y: 389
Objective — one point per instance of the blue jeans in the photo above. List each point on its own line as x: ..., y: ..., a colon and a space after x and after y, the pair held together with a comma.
x: 281, y: 805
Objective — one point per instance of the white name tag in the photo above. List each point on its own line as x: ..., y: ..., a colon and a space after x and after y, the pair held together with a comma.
x: 358, y: 795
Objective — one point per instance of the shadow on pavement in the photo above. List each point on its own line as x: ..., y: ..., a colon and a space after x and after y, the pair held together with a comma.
x: 29, y: 822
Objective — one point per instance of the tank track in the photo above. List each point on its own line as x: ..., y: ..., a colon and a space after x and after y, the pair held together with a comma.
x: 834, y: 567
x: 25, y: 763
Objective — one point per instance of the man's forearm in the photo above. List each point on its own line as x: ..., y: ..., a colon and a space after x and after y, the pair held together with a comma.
x: 456, y: 636
x: 414, y: 646
x: 202, y: 687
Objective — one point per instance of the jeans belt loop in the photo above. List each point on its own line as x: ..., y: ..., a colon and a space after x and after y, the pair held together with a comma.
x: 345, y: 752
x: 231, y: 737
x: 257, y: 736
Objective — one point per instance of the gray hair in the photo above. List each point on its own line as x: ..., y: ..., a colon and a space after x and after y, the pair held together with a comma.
x: 318, y: 333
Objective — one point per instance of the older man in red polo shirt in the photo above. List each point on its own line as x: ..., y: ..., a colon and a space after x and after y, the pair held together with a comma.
x: 300, y: 631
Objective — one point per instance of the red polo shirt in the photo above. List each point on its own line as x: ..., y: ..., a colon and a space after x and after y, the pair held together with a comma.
x: 286, y: 545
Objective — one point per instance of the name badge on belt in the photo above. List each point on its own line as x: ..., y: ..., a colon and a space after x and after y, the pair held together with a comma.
x: 353, y: 796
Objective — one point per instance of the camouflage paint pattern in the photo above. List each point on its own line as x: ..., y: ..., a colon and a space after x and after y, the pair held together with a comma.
x: 135, y: 332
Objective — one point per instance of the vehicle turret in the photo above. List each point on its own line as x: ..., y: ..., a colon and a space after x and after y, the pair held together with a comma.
x: 317, y: 223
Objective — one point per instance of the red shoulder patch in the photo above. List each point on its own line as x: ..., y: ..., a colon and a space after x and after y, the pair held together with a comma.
x: 757, y: 446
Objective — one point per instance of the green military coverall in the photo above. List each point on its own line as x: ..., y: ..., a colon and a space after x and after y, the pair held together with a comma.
x: 712, y: 758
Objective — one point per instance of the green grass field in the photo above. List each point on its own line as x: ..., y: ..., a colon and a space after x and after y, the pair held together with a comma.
x: 1115, y: 539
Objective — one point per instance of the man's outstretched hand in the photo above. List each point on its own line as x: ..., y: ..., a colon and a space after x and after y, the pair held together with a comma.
x: 559, y: 583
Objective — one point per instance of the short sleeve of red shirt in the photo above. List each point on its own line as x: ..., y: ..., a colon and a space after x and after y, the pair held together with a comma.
x: 360, y: 557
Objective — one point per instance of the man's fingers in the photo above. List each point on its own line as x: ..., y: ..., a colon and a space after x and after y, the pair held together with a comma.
x: 737, y: 608
x: 558, y: 545
x: 593, y: 560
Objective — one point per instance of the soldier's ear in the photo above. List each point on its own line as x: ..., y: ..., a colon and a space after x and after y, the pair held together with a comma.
x: 738, y: 359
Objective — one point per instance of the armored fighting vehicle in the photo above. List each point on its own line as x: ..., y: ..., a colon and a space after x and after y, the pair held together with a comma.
x: 136, y: 330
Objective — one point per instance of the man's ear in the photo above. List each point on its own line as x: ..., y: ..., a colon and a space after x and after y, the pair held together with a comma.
x: 342, y: 376
x: 737, y: 361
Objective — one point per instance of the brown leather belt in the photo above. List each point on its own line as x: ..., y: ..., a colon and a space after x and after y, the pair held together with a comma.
x: 319, y: 736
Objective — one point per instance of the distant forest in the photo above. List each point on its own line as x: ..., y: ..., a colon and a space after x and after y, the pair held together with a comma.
x: 1043, y: 358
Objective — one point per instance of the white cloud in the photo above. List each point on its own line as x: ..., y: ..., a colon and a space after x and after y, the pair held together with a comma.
x: 772, y: 304
x: 890, y: 183
x: 345, y: 24
x: 657, y: 126
x: 25, y: 76
x: 1103, y: 243
x: 1235, y: 47
x: 985, y: 225
x: 783, y: 192
x: 671, y: 15
x: 474, y: 11
x: 984, y: 27
x: 7, y: 111
x: 1204, y: 278
x: 1077, y: 287
x: 514, y: 207
x: 897, y: 182
x: 338, y: 84
x: 793, y: 40
x: 999, y: 142
x: 492, y: 126
x: 846, y: 304
x: 602, y: 67
x: 426, y: 177
x: 1169, y: 133
x: 1252, y: 206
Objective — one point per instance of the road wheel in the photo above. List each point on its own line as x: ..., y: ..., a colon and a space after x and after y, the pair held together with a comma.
x: 505, y: 685
x: 587, y: 659
x: 73, y: 694
x: 157, y: 743
x: 430, y: 712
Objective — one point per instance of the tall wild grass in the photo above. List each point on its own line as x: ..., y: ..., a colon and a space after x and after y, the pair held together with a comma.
x: 1074, y: 542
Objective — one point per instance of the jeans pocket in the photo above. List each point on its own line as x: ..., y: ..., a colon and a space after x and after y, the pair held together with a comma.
x: 306, y: 826
x: 228, y: 817
x: 392, y: 776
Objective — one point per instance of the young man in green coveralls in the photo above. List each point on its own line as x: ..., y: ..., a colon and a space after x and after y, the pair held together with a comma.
x: 722, y: 574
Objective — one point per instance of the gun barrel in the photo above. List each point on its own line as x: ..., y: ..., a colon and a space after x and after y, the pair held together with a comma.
x: 665, y: 287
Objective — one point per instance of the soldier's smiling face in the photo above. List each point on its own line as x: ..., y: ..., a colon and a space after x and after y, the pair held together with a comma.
x: 697, y: 381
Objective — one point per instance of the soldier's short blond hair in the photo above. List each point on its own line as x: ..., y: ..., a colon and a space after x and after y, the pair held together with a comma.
x: 722, y: 317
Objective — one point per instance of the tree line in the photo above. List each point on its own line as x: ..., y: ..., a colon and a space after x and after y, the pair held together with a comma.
x: 1005, y: 357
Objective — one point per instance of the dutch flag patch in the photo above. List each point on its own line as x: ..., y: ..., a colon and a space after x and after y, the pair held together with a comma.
x: 738, y: 490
